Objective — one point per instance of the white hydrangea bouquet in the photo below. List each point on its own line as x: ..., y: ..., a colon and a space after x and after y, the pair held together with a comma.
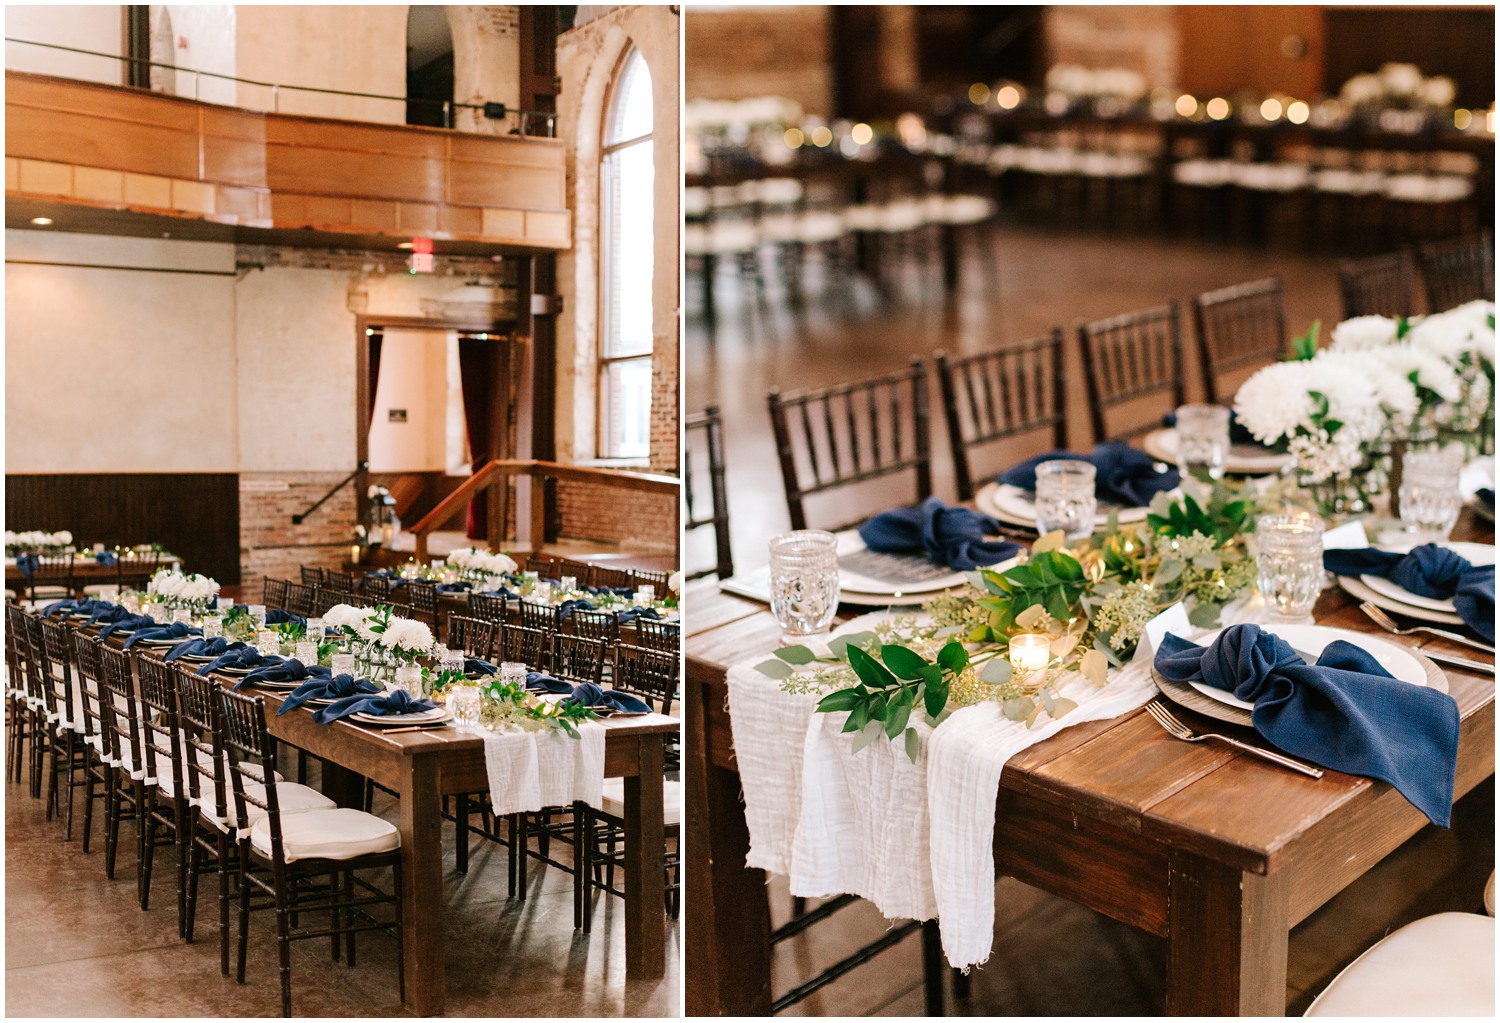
x: 36, y: 540
x: 1381, y: 381
x: 473, y: 563
x: 178, y: 589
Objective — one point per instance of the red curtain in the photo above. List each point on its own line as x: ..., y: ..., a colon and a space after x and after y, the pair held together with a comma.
x: 478, y: 372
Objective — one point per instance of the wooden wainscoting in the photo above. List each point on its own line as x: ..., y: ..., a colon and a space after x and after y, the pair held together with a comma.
x: 194, y: 515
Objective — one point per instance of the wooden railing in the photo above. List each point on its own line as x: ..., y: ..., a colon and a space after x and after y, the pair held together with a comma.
x: 493, y: 477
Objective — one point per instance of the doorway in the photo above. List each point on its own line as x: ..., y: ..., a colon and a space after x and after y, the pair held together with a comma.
x: 438, y: 399
x: 429, y: 66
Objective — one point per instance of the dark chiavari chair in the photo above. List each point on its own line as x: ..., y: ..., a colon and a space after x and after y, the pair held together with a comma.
x: 40, y: 697
x: 533, y: 615
x: 328, y: 597
x: 161, y: 743
x: 70, y: 749
x: 703, y: 429
x: 338, y: 580
x: 285, y: 846
x: 663, y: 636
x: 23, y: 731
x: 101, y: 758
x: 1383, y: 285
x: 577, y: 659
x: 581, y: 571
x: 544, y: 566
x: 602, y: 625
x: 50, y: 577
x: 648, y: 673
x: 1457, y: 271
x: 424, y: 602
x: 134, y: 572
x: 643, y: 577
x: 852, y: 433
x: 133, y: 786
x: 273, y: 593
x: 604, y: 577
x: 377, y: 587
x: 489, y: 607
x: 1240, y: 327
x: 474, y: 636
x: 300, y: 599
x: 994, y: 395
x: 523, y: 645
x: 1130, y: 357
x: 199, y: 719
x: 312, y: 576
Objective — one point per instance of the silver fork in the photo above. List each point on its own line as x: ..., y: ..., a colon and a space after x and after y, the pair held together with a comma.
x: 1165, y: 718
x: 1386, y: 622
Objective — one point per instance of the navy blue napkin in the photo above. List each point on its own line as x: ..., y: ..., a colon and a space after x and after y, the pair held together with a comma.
x: 107, y: 558
x: 952, y: 537
x: 567, y: 607
x: 614, y: 591
x: 215, y: 647
x: 108, y: 614
x: 1486, y: 497
x: 455, y: 587
x: 478, y: 666
x: 277, y: 616
x: 591, y: 695
x: 245, y: 657
x: 1428, y: 571
x: 27, y: 563
x: 1345, y: 712
x: 540, y: 681
x: 126, y: 622
x: 397, y: 701
x: 630, y: 614
x: 325, y: 687
x: 284, y: 670
x: 68, y: 608
x: 173, y: 630
x: 1124, y: 476
x: 502, y: 591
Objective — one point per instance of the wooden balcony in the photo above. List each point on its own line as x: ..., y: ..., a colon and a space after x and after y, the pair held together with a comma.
x: 114, y: 149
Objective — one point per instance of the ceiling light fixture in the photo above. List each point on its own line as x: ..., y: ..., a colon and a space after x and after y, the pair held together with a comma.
x: 41, y: 221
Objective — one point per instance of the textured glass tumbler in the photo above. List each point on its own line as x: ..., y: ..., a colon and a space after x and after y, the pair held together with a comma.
x: 804, y: 582
x: 1065, y: 498
x: 1289, y: 565
x: 1202, y: 441
x: 463, y: 701
x: 1430, y: 496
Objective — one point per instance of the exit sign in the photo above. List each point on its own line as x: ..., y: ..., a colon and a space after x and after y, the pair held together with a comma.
x: 397, y: 415
x: 421, y: 262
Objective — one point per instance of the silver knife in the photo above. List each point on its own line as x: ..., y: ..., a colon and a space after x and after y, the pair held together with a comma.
x: 1458, y: 662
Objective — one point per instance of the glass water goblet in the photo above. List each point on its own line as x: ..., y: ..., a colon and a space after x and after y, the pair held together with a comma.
x: 1065, y: 498
x: 1430, y: 496
x: 1289, y: 565
x: 1202, y: 441
x: 804, y: 582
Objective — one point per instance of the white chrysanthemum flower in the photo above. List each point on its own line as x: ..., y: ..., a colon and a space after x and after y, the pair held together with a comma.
x: 346, y: 615
x: 407, y: 635
x: 1274, y: 402
x: 1432, y: 371
x: 1361, y: 332
x: 1401, y: 79
x: 62, y: 538
x: 674, y: 582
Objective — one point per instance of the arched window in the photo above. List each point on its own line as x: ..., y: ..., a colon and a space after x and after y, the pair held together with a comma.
x: 625, y: 206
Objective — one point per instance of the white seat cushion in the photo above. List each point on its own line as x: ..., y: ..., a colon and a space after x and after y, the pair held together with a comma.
x: 335, y: 834
x: 253, y: 770
x: 1441, y: 965
x: 671, y: 797
x: 290, y: 797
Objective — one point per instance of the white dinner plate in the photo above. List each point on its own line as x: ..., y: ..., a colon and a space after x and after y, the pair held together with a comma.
x: 231, y: 670
x: 1356, y: 588
x: 1311, y: 639
x: 421, y: 717
x: 167, y: 642
x: 1474, y: 553
x: 1012, y: 505
x: 864, y: 571
x: 1243, y: 459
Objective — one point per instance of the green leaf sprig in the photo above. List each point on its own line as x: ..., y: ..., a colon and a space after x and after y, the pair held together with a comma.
x: 891, y: 687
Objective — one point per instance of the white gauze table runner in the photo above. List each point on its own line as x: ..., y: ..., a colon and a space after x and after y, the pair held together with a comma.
x: 548, y: 767
x: 914, y: 839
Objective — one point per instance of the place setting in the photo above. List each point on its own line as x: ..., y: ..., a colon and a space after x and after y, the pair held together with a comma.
x: 1078, y: 493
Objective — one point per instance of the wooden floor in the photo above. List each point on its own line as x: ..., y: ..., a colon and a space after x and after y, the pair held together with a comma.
x: 1051, y: 958
x: 1016, y: 283
x: 77, y: 944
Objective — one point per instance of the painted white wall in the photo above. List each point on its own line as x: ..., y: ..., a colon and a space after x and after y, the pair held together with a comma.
x: 100, y: 28
x: 118, y: 370
x: 354, y: 48
x: 414, y: 377
x: 204, y: 40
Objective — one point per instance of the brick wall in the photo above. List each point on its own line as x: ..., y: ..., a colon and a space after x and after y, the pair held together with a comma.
x: 741, y: 54
x: 638, y: 522
x: 271, y: 546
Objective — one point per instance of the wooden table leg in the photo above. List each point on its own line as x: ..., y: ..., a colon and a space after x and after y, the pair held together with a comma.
x: 422, y: 886
x: 343, y: 786
x: 645, y: 908
x: 1228, y: 940
x: 728, y: 920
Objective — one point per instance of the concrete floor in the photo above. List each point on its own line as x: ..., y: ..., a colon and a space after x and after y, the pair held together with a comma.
x: 77, y: 944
